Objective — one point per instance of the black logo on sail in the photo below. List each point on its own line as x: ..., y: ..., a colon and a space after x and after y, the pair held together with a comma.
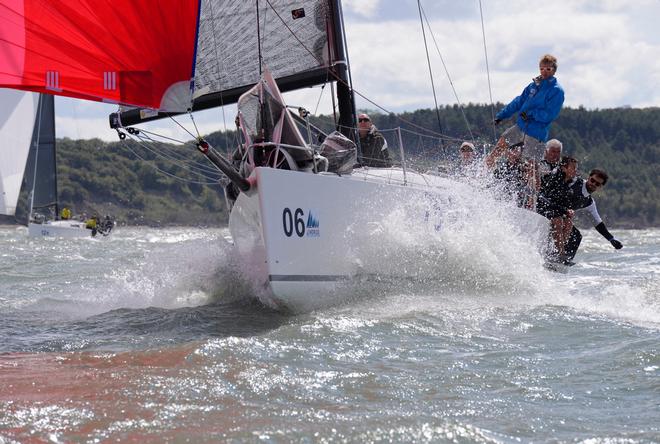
x: 298, y: 13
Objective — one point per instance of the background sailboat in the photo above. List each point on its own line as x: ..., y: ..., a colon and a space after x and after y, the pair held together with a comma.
x: 45, y: 217
x: 28, y: 151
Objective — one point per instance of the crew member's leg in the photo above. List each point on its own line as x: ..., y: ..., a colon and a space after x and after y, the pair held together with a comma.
x: 572, y: 243
x: 567, y: 228
x: 557, y: 232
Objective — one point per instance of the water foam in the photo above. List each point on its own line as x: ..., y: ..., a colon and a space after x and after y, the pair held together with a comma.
x: 470, y: 243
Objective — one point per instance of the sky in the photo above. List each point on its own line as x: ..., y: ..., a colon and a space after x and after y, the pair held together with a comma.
x: 608, y: 54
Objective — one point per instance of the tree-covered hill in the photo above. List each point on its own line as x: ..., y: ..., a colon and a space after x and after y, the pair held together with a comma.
x: 623, y: 141
x: 161, y: 184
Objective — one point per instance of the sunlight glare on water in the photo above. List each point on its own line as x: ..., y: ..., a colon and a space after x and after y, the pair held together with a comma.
x: 154, y: 334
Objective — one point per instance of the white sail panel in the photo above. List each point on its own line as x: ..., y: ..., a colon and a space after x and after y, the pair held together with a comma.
x: 294, y: 40
x: 17, y: 116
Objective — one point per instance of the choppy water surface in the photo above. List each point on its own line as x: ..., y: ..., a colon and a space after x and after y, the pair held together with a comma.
x: 153, y: 335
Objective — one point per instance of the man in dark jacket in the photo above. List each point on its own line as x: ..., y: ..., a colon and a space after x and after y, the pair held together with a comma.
x: 560, y: 196
x: 511, y: 173
x: 373, y: 144
x: 553, y: 203
x: 579, y: 197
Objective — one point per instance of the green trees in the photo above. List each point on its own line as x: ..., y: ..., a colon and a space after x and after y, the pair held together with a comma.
x: 137, y: 185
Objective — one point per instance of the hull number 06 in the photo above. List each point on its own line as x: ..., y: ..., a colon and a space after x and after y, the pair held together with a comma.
x: 293, y: 222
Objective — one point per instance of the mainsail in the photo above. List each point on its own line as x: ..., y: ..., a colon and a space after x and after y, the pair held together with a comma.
x: 41, y: 169
x: 17, y: 116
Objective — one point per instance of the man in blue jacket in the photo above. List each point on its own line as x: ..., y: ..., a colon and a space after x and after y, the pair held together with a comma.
x: 537, y: 106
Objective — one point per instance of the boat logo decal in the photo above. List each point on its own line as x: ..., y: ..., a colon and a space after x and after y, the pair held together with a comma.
x: 312, y: 225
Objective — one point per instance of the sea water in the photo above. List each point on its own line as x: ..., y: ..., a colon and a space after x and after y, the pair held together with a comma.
x: 154, y: 335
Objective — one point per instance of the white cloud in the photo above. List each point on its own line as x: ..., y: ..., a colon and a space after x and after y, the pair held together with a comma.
x: 598, y: 46
x: 365, y: 8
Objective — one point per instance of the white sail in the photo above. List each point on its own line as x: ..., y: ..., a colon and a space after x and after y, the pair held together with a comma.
x: 17, y: 117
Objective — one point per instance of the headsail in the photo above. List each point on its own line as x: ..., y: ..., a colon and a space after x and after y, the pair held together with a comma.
x: 148, y: 54
x: 17, y: 116
x: 121, y: 51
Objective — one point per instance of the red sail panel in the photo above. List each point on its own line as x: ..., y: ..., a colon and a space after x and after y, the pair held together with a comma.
x: 133, y: 52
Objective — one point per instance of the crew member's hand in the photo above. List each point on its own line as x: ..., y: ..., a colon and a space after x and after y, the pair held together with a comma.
x: 497, y: 121
x: 523, y: 115
x: 616, y: 244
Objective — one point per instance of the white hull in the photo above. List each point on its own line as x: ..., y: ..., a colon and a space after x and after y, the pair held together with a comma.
x: 303, y: 236
x: 61, y: 228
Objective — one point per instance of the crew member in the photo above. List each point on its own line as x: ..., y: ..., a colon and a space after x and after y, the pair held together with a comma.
x: 554, y: 203
x: 580, y: 196
x: 551, y: 157
x: 373, y: 144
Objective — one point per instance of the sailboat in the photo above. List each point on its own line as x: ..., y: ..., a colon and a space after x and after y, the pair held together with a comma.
x: 29, y: 151
x: 301, y: 215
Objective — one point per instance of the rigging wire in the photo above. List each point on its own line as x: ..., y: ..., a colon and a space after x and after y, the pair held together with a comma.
x: 182, y: 127
x: 175, y: 156
x: 490, y: 91
x: 428, y: 61
x: 444, y: 65
x: 217, y: 63
x: 355, y: 91
x: 214, y: 178
x: 318, y: 102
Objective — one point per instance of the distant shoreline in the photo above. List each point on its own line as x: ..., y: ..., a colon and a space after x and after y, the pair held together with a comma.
x: 4, y: 224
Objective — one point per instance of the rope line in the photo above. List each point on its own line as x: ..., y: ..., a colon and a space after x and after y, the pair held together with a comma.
x: 451, y: 83
x: 490, y: 91
x: 428, y: 61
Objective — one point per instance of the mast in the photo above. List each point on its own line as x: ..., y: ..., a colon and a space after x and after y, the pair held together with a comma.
x: 345, y: 98
x: 35, y: 142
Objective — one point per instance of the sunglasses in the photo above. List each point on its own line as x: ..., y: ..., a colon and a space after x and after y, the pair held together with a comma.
x: 596, y: 182
x: 364, y: 120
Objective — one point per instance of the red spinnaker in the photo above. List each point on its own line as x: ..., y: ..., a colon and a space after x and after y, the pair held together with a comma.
x: 133, y: 52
